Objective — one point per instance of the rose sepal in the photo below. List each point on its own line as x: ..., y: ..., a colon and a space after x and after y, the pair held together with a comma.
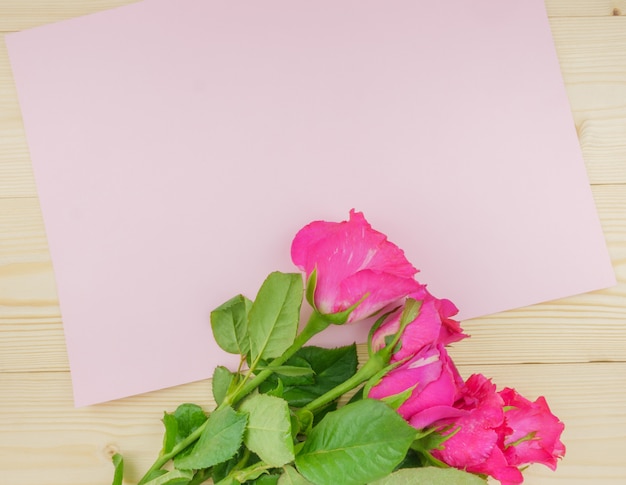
x: 338, y: 318
x: 311, y: 285
x: 410, y: 312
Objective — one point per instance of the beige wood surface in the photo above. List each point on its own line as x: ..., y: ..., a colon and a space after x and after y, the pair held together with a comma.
x: 573, y: 350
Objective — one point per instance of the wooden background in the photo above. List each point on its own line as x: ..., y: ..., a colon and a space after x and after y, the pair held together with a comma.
x: 573, y: 351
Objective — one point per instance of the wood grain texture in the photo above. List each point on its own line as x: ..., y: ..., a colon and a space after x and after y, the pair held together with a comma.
x: 74, y: 446
x: 16, y: 176
x: 585, y: 8
x: 593, y: 65
x: 573, y: 350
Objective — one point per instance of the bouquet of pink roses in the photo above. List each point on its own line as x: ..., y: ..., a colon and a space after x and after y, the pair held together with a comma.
x: 296, y: 414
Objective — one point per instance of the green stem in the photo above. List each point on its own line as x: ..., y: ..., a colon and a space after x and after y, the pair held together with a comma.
x: 250, y: 472
x: 374, y: 365
x: 164, y: 458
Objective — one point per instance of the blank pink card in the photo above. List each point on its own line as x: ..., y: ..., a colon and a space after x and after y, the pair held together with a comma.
x: 178, y: 146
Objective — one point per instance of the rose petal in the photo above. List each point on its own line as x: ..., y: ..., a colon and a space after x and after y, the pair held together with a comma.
x: 352, y: 260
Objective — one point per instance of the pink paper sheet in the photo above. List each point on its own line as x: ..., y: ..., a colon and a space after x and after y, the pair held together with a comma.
x: 179, y: 145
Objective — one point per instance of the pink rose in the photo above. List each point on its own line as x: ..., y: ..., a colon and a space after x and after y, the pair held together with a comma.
x: 433, y: 324
x: 353, y: 262
x: 500, y: 431
x: 536, y: 431
x: 436, y: 382
x: 477, y: 440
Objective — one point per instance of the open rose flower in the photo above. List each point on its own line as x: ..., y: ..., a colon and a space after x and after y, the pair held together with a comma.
x: 499, y: 431
x: 353, y: 262
x: 536, y: 432
x: 477, y: 442
x: 432, y: 325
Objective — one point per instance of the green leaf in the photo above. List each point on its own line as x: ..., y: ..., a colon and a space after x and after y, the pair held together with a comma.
x: 202, y: 476
x: 171, y: 432
x: 306, y: 378
x: 292, y: 477
x: 227, y: 481
x: 430, y: 476
x: 274, y: 316
x: 268, y: 433
x: 275, y: 391
x: 118, y: 463
x: 413, y: 459
x: 222, y: 470
x: 181, y: 423
x: 229, y: 322
x: 289, y: 370
x: 220, y: 383
x: 219, y: 441
x: 266, y: 480
x: 173, y: 477
x: 360, y: 442
x: 330, y: 367
x: 154, y: 474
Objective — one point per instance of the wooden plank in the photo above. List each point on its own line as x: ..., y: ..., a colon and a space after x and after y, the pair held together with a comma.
x: 16, y: 176
x: 594, y: 71
x: 22, y: 235
x: 582, y: 328
x: 30, y: 320
x: 589, y: 51
x: 585, y: 8
x: 47, y: 441
x: 603, y: 140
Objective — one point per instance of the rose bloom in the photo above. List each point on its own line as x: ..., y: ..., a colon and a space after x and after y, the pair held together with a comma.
x: 429, y: 371
x: 435, y: 382
x: 432, y: 325
x: 353, y: 261
x: 536, y: 436
x: 498, y: 432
